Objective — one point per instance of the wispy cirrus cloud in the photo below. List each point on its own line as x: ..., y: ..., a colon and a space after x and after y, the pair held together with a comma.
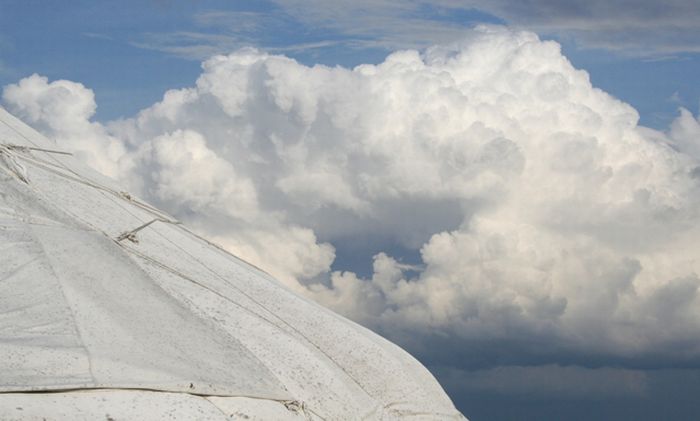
x: 632, y: 27
x: 641, y: 28
x: 292, y: 27
x: 221, y: 32
x: 98, y: 35
x: 388, y: 24
x: 190, y: 45
x: 201, y: 46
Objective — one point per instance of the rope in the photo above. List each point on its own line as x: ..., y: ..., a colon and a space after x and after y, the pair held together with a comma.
x: 24, y: 148
x: 120, y: 194
x: 14, y: 167
x: 78, y: 178
x: 131, y: 235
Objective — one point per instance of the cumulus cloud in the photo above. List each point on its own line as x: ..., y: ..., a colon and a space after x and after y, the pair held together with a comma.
x: 685, y: 133
x: 62, y: 110
x: 551, y: 226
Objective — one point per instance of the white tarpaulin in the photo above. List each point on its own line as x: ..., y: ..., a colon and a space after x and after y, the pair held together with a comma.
x: 112, y: 308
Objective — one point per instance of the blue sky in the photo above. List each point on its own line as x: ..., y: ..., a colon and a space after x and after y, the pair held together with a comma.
x: 644, y: 52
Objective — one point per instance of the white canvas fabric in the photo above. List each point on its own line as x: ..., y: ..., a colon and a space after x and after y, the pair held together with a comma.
x: 111, y: 307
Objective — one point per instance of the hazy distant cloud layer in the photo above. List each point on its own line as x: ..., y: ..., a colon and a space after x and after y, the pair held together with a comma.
x: 646, y: 28
x: 639, y: 27
x: 572, y: 236
x: 549, y: 381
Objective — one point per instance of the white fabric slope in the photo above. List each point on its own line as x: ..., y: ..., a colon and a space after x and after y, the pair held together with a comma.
x: 109, y: 306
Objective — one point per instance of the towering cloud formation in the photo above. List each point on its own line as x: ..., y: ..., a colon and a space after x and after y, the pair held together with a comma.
x: 550, y: 225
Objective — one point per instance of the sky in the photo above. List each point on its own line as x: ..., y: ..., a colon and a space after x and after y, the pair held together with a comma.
x: 508, y: 190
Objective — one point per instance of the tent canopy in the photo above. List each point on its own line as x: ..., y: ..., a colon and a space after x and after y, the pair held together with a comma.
x: 101, y: 292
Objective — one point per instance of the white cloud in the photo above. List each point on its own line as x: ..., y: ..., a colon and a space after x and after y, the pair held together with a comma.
x: 183, y: 170
x: 685, y: 132
x: 192, y: 45
x: 62, y: 110
x: 576, y: 231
